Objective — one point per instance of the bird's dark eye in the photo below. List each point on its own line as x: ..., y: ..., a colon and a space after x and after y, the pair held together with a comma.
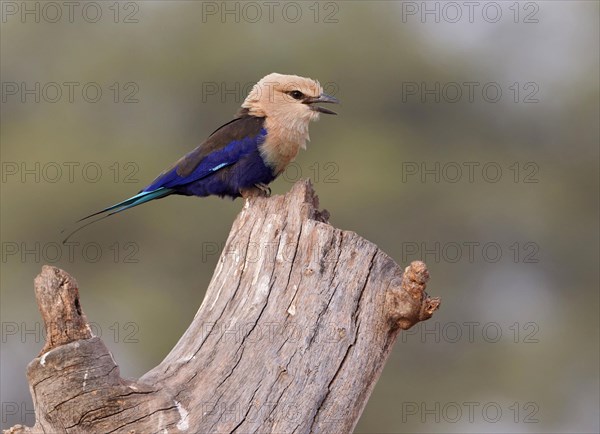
x: 296, y: 94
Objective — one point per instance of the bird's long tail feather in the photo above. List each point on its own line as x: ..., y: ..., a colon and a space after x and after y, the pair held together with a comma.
x: 138, y: 199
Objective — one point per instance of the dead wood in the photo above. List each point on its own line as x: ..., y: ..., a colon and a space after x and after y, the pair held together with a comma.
x: 293, y: 332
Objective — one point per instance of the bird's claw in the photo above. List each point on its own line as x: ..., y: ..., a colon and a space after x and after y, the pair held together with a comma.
x: 264, y: 188
x: 259, y: 190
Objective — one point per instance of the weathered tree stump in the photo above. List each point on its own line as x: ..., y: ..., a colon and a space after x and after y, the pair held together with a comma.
x: 291, y: 337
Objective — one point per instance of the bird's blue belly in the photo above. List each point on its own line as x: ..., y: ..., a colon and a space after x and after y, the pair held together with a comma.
x: 246, y: 173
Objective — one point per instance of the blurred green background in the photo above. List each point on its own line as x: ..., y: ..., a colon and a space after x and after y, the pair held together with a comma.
x: 513, y: 254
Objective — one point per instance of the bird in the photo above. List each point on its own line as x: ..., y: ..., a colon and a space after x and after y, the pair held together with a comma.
x: 242, y: 157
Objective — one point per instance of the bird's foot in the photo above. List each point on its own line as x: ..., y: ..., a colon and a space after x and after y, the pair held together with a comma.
x: 264, y: 188
x: 259, y: 190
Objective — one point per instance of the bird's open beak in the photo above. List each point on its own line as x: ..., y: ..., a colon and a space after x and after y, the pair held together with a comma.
x: 324, y: 98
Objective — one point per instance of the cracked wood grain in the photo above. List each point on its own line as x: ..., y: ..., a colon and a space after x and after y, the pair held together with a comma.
x: 293, y: 333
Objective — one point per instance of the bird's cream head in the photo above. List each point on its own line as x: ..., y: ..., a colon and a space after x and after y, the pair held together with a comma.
x: 288, y: 100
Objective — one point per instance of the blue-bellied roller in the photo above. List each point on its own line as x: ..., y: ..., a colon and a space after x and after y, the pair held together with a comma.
x: 243, y: 156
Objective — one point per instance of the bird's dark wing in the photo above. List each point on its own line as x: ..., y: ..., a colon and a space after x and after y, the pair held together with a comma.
x: 223, y: 148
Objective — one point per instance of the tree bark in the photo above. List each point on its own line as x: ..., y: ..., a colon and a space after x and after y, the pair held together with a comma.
x: 291, y: 337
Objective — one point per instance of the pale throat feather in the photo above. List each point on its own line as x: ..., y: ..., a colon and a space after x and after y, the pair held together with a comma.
x: 285, y: 136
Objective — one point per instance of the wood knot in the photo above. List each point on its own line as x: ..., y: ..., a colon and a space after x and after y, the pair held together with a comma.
x: 408, y: 303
